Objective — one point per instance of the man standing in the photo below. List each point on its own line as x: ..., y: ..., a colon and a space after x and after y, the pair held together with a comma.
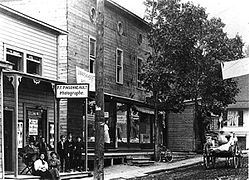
x: 61, y: 151
x: 69, y: 150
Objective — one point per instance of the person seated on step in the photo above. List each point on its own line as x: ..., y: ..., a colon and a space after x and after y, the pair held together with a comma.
x: 41, y: 168
x: 54, y: 166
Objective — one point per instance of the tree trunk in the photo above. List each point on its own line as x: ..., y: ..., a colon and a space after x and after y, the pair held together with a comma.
x: 156, y: 130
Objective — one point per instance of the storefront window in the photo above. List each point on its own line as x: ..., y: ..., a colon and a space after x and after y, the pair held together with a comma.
x: 145, y: 128
x: 91, y: 118
x: 122, y: 122
x: 135, y: 123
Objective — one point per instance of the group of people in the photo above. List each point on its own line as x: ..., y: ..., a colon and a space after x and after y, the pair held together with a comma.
x: 225, y: 141
x: 68, y: 156
x: 36, y: 154
x: 70, y: 153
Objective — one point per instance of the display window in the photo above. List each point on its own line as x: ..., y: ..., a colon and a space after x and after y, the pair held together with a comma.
x: 122, y: 122
x: 91, y: 119
x: 134, y: 126
x: 145, y: 128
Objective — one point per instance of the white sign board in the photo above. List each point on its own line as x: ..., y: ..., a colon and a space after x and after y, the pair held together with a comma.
x: 33, y: 127
x: 72, y: 91
x: 83, y: 76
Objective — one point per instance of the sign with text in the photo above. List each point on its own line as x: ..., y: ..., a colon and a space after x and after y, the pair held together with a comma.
x: 72, y: 91
x: 33, y: 127
x: 83, y: 76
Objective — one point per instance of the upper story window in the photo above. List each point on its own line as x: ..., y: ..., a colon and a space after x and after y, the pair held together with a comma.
x: 15, y: 57
x: 139, y: 72
x: 119, y: 66
x: 234, y: 119
x: 24, y: 61
x: 92, y: 54
x: 33, y: 64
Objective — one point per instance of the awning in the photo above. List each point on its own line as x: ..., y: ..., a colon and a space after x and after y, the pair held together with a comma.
x: 145, y: 110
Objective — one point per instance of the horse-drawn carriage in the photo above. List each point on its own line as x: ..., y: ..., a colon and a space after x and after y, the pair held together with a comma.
x: 211, y: 152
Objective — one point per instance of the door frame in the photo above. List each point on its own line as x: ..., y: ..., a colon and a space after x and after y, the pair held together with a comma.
x: 12, y: 132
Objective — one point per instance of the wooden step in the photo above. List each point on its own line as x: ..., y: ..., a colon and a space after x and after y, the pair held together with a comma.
x: 142, y: 163
x: 75, y: 175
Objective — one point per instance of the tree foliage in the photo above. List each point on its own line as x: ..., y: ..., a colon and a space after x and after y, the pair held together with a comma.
x: 187, y: 49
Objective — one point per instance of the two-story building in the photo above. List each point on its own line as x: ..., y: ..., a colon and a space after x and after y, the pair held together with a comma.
x: 29, y: 107
x: 125, y: 48
x: 237, y: 117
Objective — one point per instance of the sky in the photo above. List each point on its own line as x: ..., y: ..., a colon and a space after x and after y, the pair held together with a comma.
x: 234, y: 13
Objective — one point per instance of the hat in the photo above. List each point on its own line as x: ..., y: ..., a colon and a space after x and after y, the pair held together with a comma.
x: 51, y: 154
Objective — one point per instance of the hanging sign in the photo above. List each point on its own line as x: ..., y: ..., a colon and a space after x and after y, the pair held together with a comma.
x: 83, y: 76
x: 72, y: 91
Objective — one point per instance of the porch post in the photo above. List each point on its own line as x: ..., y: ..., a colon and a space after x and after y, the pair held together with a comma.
x: 3, y: 66
x: 86, y: 136
x: 15, y: 83
x: 56, y: 117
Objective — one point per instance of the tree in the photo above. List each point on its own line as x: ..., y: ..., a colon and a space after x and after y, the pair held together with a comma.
x: 187, y: 49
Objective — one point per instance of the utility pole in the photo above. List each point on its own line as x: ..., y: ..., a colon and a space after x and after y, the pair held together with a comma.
x: 99, y: 94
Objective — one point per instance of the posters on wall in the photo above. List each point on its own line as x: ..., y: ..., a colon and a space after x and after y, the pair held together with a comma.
x: 51, y: 135
x: 33, y: 127
x: 20, y: 134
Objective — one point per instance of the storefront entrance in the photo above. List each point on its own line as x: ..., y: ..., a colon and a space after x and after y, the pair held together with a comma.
x: 8, y: 140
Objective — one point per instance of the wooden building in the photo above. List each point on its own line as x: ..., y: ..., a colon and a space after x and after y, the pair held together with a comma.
x: 237, y: 117
x: 125, y: 48
x: 29, y: 108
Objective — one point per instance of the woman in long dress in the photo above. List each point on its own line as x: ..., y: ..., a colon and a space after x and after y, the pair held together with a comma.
x: 106, y: 133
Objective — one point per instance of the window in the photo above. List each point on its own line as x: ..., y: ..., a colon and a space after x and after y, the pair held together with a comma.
x: 92, y: 54
x: 16, y: 58
x: 119, y: 66
x: 134, y: 129
x: 120, y: 28
x: 145, y: 127
x: 122, y: 122
x: 234, y: 118
x: 92, y: 14
x: 24, y: 61
x: 33, y: 64
x: 139, y: 73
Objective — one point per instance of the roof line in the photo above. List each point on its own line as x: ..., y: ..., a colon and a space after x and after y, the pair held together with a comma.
x: 127, y: 11
x: 10, y: 10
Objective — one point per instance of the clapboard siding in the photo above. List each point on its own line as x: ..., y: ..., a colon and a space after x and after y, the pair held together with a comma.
x: 80, y: 28
x: 52, y: 12
x: 31, y: 96
x: 181, y: 130
x: 21, y: 35
x: 131, y: 50
x: 75, y: 114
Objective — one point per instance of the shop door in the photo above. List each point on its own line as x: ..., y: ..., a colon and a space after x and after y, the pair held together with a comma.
x: 8, y: 139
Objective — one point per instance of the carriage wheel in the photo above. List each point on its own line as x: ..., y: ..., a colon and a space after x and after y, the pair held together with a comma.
x: 236, y: 161
x: 213, y: 159
x: 168, y: 155
x: 207, y: 161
